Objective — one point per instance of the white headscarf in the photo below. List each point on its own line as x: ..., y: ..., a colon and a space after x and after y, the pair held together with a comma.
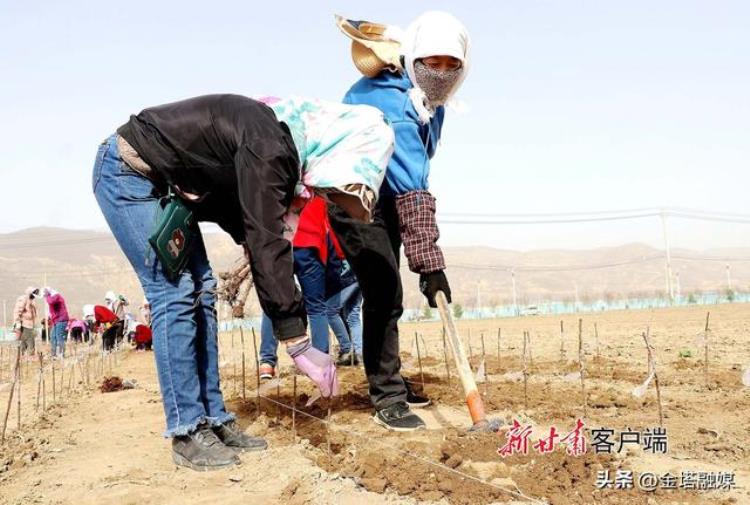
x: 434, y: 33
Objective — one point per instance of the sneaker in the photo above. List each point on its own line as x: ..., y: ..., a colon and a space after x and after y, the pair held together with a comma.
x: 413, y: 399
x: 232, y: 436
x: 202, y: 451
x: 266, y: 371
x: 347, y: 359
x: 398, y: 417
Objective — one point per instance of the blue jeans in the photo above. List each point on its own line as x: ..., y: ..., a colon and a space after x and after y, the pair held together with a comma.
x: 57, y: 340
x: 346, y: 305
x: 183, y: 314
x: 268, y: 343
x: 311, y: 273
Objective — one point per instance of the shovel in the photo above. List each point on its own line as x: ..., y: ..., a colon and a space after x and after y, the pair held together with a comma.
x: 473, y: 399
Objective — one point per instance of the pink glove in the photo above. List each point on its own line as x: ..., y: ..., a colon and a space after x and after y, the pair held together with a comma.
x: 317, y: 365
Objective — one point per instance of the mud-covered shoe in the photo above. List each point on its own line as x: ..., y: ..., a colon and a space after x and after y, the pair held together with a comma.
x: 266, y: 371
x: 398, y: 417
x: 202, y: 451
x: 347, y: 359
x: 413, y: 399
x: 233, y: 437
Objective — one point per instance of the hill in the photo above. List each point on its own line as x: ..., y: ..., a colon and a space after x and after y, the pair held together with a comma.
x: 85, y: 264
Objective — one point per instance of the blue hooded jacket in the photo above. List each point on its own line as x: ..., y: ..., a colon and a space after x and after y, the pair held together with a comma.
x: 416, y: 143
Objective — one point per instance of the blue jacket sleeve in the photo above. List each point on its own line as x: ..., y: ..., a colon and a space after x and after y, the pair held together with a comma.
x: 409, y: 167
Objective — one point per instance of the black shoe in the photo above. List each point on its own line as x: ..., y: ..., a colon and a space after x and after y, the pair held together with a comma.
x: 413, y: 399
x: 202, y: 451
x: 398, y: 417
x: 233, y: 437
x: 347, y: 359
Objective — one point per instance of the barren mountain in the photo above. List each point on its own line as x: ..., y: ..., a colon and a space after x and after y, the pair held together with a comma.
x: 83, y: 265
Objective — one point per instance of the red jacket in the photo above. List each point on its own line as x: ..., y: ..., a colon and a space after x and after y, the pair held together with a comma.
x: 314, y: 227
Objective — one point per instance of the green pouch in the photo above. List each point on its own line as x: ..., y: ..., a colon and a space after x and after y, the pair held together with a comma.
x: 173, y: 236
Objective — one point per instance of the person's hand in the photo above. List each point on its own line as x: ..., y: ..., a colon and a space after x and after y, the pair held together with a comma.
x: 17, y: 329
x: 431, y: 283
x: 317, y: 365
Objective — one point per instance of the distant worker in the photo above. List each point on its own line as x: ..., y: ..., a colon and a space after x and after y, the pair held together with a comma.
x: 146, y: 312
x: 58, y: 316
x: 24, y: 319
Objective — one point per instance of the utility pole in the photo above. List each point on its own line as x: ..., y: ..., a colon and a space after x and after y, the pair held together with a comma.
x: 578, y: 301
x: 515, y: 295
x: 668, y: 256
x: 5, y: 319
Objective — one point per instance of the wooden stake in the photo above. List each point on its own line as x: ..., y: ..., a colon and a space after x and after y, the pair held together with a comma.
x: 294, y: 404
x: 531, y: 354
x: 562, y: 342
x: 234, y: 361
x: 10, y: 396
x: 484, y: 354
x: 705, y: 350
x: 257, y: 371
x: 278, y: 394
x: 242, y: 343
x: 596, y: 337
x: 44, y: 387
x: 71, y: 376
x: 419, y: 360
x: 425, y: 348
x: 582, y: 367
x: 652, y: 366
x: 18, y: 396
x: 498, y: 346
x: 39, y: 383
x: 54, y: 382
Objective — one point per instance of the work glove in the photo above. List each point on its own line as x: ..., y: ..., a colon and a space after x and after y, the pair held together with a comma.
x: 431, y: 283
x: 317, y: 365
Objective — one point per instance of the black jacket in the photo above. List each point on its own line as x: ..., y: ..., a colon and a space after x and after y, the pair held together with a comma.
x: 233, y: 151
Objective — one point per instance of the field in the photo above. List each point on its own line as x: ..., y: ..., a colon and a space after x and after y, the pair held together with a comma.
x: 91, y: 447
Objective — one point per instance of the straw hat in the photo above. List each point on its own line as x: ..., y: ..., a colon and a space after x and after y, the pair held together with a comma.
x: 374, y: 46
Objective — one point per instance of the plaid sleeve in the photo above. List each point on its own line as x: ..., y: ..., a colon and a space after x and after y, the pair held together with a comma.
x: 419, y: 231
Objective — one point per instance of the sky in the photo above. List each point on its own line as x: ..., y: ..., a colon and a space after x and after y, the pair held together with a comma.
x: 571, y: 106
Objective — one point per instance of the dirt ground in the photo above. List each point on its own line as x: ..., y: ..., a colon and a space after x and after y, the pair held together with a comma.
x: 92, y: 447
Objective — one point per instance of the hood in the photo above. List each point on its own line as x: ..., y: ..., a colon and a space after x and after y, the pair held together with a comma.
x: 48, y: 291
x: 434, y: 33
x: 30, y: 290
x: 110, y: 296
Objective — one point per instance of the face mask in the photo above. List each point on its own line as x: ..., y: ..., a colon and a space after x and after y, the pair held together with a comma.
x: 436, y: 84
